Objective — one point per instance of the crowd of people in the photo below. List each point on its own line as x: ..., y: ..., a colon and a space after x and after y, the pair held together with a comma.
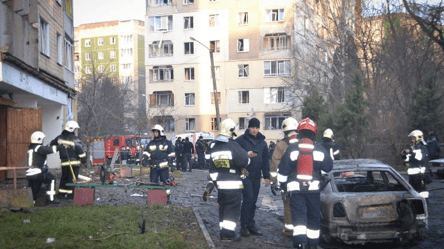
x: 293, y: 166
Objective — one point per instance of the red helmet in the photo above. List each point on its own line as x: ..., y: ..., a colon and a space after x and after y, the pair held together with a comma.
x: 307, y: 124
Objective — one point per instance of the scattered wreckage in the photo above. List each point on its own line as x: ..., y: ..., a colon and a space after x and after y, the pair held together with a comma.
x: 365, y: 200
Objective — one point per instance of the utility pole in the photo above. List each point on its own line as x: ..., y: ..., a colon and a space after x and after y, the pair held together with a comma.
x: 213, y: 75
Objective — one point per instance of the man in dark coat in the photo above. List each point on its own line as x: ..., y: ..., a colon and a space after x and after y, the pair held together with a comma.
x: 178, y: 149
x: 254, y: 143
x: 433, y: 147
x: 200, y: 149
x: 188, y: 150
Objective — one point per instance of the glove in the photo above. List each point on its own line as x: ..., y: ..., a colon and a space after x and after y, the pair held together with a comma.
x: 244, y: 173
x: 208, y: 190
x: 274, y: 188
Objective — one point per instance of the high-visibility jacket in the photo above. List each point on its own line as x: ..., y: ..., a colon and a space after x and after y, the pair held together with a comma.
x: 287, y: 171
x: 160, y: 150
x: 74, y: 153
x: 227, y: 159
x: 36, y: 157
x: 416, y: 159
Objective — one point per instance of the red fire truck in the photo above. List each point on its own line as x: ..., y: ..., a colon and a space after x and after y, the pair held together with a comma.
x: 102, y: 149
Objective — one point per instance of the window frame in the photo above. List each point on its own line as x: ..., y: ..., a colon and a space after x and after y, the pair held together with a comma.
x: 188, y: 20
x: 215, y: 45
x: 242, y: 18
x: 112, y: 54
x: 278, y: 119
x: 87, y: 43
x: 161, y: 23
x: 244, y: 123
x: 88, y: 56
x: 245, y: 70
x: 45, y: 42
x: 244, y: 97
x: 274, y: 68
x: 190, y: 122
x: 69, y: 52
x: 100, y: 55
x: 243, y: 45
x: 100, y: 42
x: 112, y: 40
x: 188, y: 2
x: 214, y: 123
x: 59, y: 49
x: 166, y: 72
x: 113, y: 67
x: 213, y: 20
x: 190, y: 99
x: 190, y: 74
x: 275, y: 15
x: 190, y: 48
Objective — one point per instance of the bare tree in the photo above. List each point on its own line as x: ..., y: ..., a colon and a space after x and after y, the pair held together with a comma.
x: 102, y: 102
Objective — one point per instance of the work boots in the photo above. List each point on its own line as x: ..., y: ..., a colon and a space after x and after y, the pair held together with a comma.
x: 229, y: 236
x: 254, y: 231
x: 244, y: 232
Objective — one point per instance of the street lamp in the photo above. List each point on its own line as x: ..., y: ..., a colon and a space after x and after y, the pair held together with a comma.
x: 213, y: 75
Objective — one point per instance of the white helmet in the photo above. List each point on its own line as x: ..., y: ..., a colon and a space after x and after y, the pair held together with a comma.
x: 227, y: 128
x: 418, y: 135
x: 328, y: 133
x: 71, y: 126
x: 159, y: 128
x: 37, y: 137
x: 290, y: 124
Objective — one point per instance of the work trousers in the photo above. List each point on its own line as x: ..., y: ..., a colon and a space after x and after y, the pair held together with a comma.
x: 288, y: 222
x: 163, y: 174
x: 67, y: 178
x: 201, y: 160
x: 417, y: 183
x: 306, y: 215
x: 186, y: 161
x: 249, y: 199
x: 35, y: 183
x: 229, y: 208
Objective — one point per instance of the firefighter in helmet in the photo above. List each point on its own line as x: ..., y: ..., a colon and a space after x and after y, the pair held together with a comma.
x: 227, y: 163
x: 72, y: 156
x: 38, y: 172
x: 331, y: 146
x: 416, y: 158
x: 290, y: 128
x: 160, y: 151
x: 300, y: 174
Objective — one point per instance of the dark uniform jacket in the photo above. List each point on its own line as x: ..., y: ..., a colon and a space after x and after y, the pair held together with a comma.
x: 188, y: 147
x: 416, y: 159
x: 73, y: 154
x: 332, y: 148
x: 160, y: 150
x: 433, y: 147
x: 200, y: 147
x: 178, y: 148
x: 260, y: 163
x: 288, y: 168
x: 36, y: 157
x: 226, y: 161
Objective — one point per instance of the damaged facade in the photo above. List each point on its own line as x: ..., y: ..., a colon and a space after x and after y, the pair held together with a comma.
x: 36, y: 75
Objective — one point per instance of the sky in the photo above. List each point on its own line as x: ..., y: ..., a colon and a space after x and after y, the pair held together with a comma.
x: 91, y: 11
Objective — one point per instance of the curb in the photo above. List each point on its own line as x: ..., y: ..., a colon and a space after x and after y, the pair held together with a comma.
x: 204, y: 229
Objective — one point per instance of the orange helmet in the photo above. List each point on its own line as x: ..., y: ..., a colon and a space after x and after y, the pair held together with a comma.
x: 307, y: 124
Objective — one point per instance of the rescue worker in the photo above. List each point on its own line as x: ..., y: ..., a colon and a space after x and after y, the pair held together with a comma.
x: 188, y: 150
x: 290, y: 129
x: 416, y: 158
x: 159, y: 150
x: 253, y: 142
x: 200, y: 149
x: 178, y: 148
x: 330, y: 146
x: 123, y: 156
x: 227, y: 161
x: 72, y: 157
x: 38, y: 173
x: 433, y: 147
x: 300, y: 174
x: 271, y: 148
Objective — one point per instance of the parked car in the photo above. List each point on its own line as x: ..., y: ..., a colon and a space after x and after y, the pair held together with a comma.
x: 365, y: 200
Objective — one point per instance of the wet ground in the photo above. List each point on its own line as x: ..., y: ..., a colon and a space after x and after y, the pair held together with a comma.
x: 269, y: 215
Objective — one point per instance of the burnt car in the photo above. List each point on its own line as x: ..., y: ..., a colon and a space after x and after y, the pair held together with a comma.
x: 365, y: 200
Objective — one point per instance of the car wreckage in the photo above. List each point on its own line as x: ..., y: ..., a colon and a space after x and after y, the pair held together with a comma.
x: 365, y: 200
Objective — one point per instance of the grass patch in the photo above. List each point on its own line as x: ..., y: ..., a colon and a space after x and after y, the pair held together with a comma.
x: 102, y: 227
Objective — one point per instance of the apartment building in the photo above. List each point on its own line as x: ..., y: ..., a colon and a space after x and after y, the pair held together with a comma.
x: 117, y: 47
x: 251, y: 43
x: 36, y: 75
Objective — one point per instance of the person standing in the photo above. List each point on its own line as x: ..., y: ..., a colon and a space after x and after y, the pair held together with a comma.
x: 227, y: 162
x: 200, y: 149
x: 188, y: 150
x: 72, y: 157
x: 38, y: 172
x: 433, y: 147
x: 330, y: 145
x: 123, y: 156
x: 178, y: 148
x: 300, y: 174
x: 159, y: 151
x: 289, y: 127
x: 271, y: 148
x: 253, y: 142
x: 416, y: 158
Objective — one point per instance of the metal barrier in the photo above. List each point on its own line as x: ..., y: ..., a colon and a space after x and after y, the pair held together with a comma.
x: 15, y: 173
